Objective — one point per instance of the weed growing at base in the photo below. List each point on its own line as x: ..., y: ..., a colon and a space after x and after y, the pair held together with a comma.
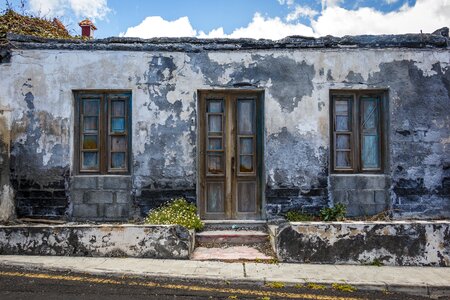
x: 178, y: 211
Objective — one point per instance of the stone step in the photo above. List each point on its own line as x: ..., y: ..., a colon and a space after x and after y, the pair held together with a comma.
x: 235, y: 225
x: 226, y: 237
x: 236, y: 253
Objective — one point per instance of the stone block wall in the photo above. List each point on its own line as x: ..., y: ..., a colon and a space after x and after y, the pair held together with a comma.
x: 101, y: 198
x: 363, y: 195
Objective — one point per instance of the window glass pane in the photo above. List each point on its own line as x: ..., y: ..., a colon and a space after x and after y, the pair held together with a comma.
x: 119, y: 143
x: 342, y: 141
x: 90, y: 142
x: 118, y: 160
x: 343, y: 159
x: 90, y: 161
x: 246, y: 163
x: 342, y: 123
x: 215, y: 106
x: 370, y: 113
x: 246, y: 146
x: 118, y: 108
x: 215, y: 144
x: 245, y: 116
x: 91, y: 107
x: 215, y: 197
x: 90, y: 123
x: 215, y: 123
x: 341, y: 107
x: 370, y: 152
x: 118, y: 124
x: 215, y: 164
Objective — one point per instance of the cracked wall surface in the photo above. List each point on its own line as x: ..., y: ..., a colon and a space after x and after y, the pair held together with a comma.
x: 422, y: 243
x: 296, y: 86
x: 164, y: 242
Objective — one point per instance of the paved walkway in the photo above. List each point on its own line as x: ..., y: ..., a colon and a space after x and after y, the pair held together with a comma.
x: 416, y: 280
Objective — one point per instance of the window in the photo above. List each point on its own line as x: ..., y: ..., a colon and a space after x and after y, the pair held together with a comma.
x: 102, y: 131
x: 357, y: 119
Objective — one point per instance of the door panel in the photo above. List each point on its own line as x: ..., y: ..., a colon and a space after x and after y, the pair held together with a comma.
x: 229, y: 155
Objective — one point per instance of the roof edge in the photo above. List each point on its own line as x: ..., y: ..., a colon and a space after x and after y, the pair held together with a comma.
x: 192, y: 44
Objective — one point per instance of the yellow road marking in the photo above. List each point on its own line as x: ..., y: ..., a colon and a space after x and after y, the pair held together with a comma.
x: 194, y: 288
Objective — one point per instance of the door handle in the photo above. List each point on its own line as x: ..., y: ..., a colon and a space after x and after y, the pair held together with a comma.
x: 232, y: 165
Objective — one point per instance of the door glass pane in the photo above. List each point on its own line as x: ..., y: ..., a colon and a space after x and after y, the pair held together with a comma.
x: 118, y: 124
x: 247, y: 197
x: 370, y: 113
x: 90, y: 161
x: 91, y: 107
x: 90, y: 142
x: 343, y: 159
x: 118, y: 108
x: 245, y: 116
x: 90, y: 124
x: 246, y: 145
x: 246, y: 163
x: 342, y: 141
x: 215, y: 144
x: 215, y: 164
x: 118, y: 160
x: 342, y: 123
x: 215, y: 106
x: 215, y: 197
x: 341, y: 107
x: 370, y: 152
x: 118, y: 143
x: 215, y: 123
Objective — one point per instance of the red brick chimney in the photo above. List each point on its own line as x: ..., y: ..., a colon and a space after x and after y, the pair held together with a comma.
x: 87, y: 28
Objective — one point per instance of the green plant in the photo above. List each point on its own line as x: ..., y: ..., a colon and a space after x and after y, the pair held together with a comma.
x: 315, y: 286
x: 335, y: 213
x: 295, y: 216
x: 343, y: 287
x: 179, y: 211
x: 299, y: 286
x: 275, y: 285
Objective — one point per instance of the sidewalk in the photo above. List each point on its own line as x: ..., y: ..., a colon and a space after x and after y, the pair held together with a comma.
x: 425, y: 281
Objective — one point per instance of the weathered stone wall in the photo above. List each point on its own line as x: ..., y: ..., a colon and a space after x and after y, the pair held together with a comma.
x: 101, y: 198
x: 401, y: 243
x: 7, y: 204
x: 152, y: 241
x: 164, y: 86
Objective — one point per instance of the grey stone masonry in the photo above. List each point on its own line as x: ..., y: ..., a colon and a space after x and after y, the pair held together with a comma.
x: 101, y: 197
x: 363, y: 194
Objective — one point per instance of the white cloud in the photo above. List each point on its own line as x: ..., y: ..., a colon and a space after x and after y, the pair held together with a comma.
x: 301, y: 11
x: 93, y: 9
x: 426, y: 15
x: 259, y: 27
x: 287, y: 2
x: 390, y: 1
x: 158, y: 27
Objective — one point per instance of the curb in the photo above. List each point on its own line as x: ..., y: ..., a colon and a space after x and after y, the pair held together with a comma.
x: 424, y: 290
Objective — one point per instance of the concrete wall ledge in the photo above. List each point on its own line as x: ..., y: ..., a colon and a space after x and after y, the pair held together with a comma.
x: 108, y: 240
x: 400, y: 243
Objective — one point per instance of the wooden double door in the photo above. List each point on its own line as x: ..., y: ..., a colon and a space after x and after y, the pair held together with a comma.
x: 230, y: 127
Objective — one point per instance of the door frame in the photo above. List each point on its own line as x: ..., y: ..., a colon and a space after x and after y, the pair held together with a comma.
x: 260, y: 142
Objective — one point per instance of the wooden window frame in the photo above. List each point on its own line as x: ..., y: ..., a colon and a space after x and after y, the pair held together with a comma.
x: 356, y: 131
x: 104, y: 132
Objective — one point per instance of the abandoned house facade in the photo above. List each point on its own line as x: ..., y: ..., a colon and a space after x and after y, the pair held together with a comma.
x: 109, y: 129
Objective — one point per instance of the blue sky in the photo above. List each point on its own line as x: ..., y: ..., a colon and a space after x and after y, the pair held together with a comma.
x: 246, y: 18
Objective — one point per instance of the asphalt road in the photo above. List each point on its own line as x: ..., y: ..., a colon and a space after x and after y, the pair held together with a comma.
x: 20, y: 284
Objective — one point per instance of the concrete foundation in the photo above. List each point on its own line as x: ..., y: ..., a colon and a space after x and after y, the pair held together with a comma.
x: 420, y: 243
x: 152, y: 241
